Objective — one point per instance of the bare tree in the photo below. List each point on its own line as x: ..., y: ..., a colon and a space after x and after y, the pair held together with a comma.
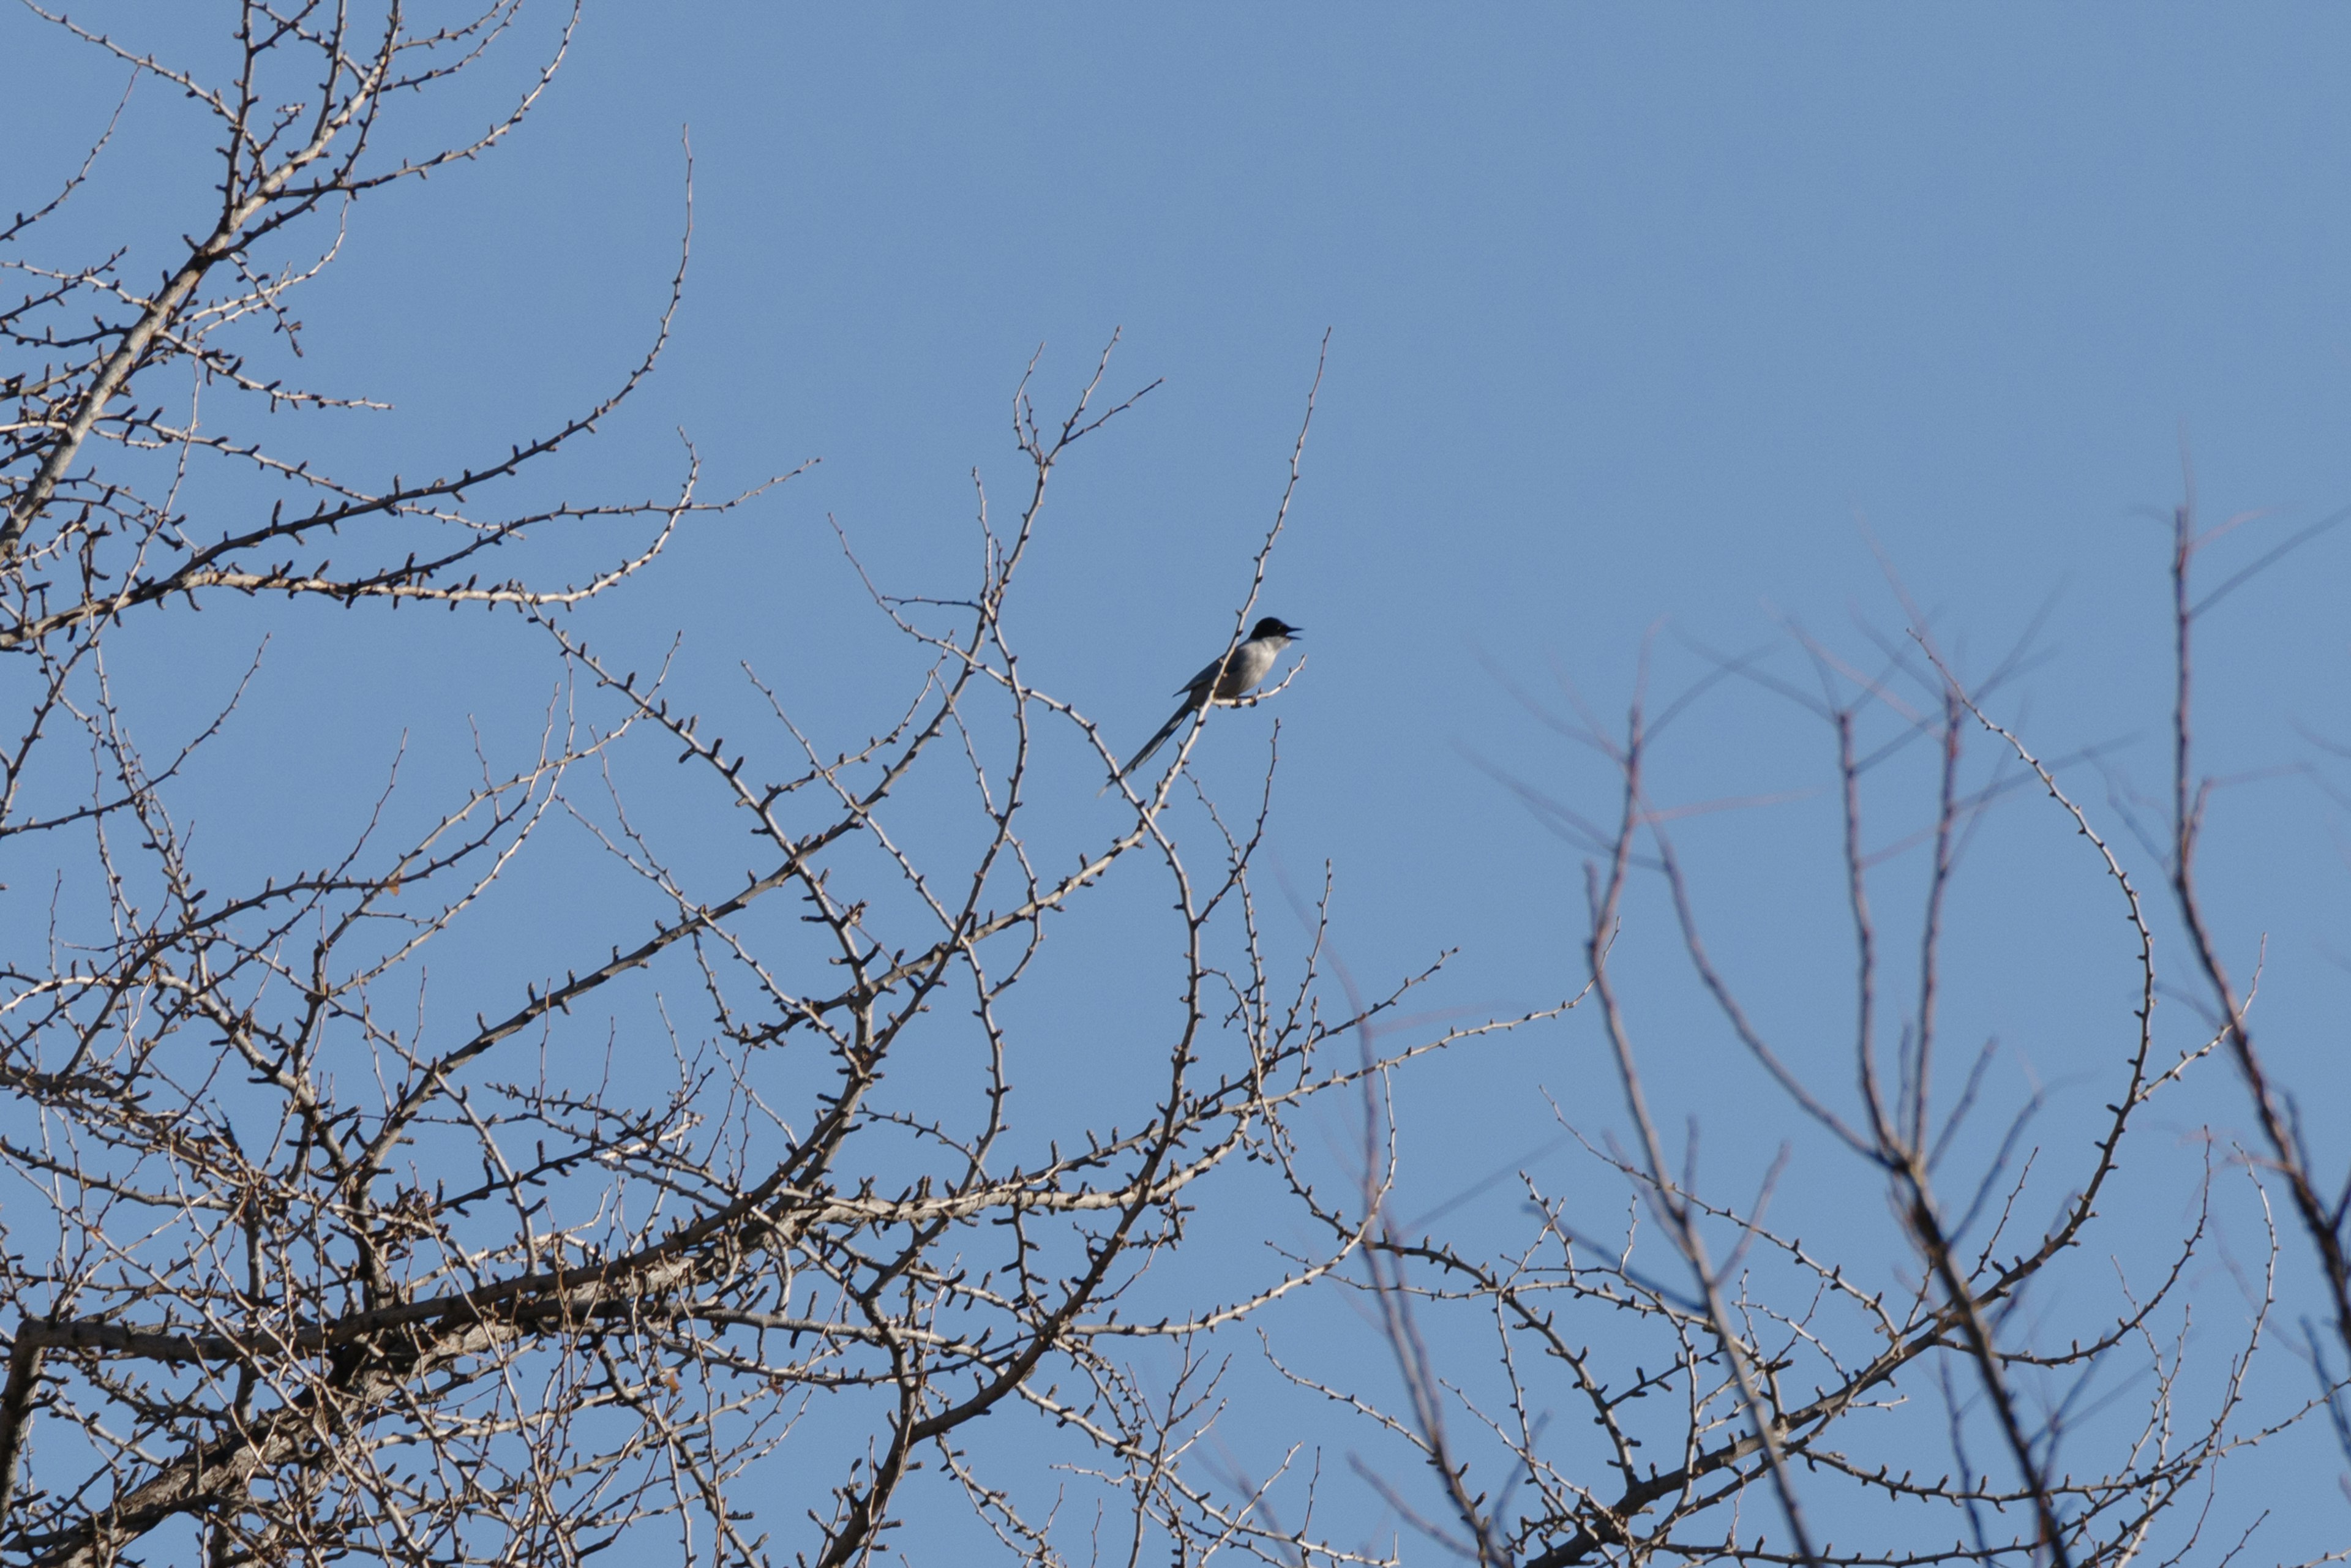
x: 2321, y: 1207
x: 290, y: 1279
x: 298, y: 1266
x: 2078, y: 1419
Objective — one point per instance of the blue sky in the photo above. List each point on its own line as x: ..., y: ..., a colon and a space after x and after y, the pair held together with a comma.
x: 1643, y: 322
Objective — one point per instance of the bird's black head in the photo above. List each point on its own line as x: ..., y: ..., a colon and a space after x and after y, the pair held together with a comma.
x: 1274, y: 626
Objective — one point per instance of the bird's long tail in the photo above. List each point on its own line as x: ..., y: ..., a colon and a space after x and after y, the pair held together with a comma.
x: 1175, y: 722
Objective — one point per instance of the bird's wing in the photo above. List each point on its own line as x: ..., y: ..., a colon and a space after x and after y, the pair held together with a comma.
x: 1207, y: 674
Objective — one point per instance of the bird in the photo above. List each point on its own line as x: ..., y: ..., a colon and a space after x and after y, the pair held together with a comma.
x: 1227, y: 679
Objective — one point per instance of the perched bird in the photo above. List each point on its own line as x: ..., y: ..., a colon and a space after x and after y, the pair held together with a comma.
x: 1224, y: 679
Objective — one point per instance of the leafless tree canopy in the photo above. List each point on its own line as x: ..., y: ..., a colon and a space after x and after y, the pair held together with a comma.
x: 296, y: 1269
x: 1964, y: 1404
x: 293, y: 1277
